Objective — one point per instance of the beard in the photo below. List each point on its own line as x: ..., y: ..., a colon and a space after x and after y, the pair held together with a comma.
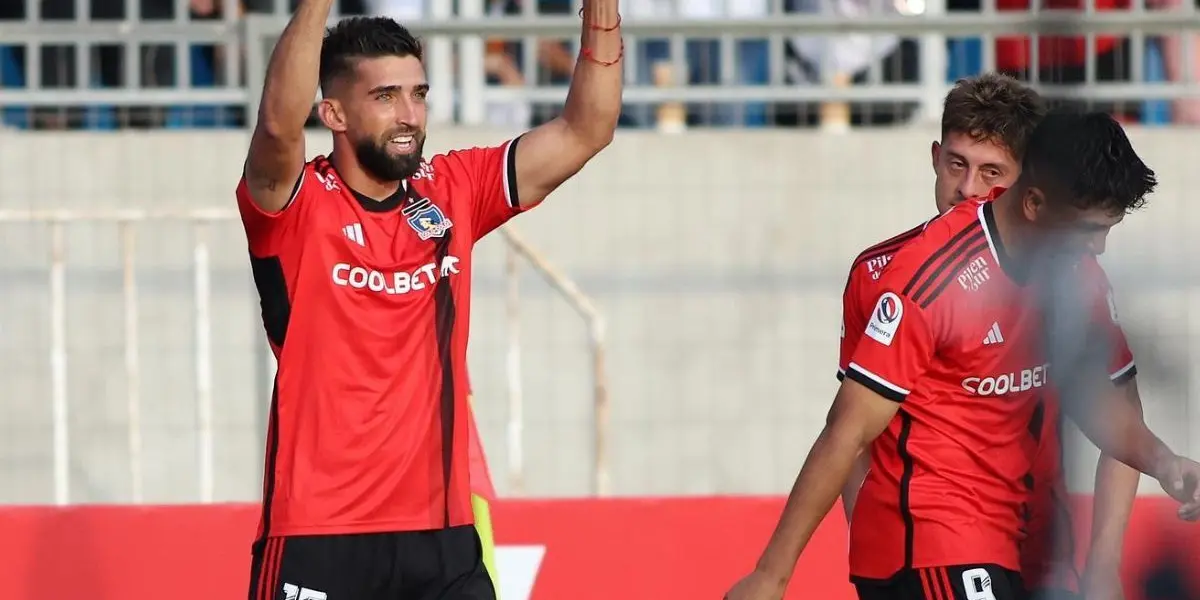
x: 375, y: 158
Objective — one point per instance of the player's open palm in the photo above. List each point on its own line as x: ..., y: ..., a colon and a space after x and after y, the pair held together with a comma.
x: 1181, y: 481
x: 757, y: 586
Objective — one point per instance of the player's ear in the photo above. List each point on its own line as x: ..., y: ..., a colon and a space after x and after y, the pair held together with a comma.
x: 332, y: 115
x: 935, y: 151
x: 1033, y: 202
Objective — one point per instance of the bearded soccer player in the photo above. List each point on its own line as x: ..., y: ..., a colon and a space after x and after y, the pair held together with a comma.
x: 362, y: 260
x: 939, y: 515
x: 986, y: 123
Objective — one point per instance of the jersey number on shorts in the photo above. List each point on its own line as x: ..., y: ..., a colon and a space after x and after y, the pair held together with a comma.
x: 978, y: 584
x: 295, y: 592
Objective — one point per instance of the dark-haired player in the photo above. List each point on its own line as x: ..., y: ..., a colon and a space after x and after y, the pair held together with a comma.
x: 362, y: 260
x: 939, y: 514
x: 986, y: 124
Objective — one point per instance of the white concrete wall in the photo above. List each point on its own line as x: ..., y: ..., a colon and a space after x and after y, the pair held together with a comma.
x: 718, y: 259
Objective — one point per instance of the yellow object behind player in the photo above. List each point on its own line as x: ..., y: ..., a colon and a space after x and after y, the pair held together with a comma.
x: 481, y: 492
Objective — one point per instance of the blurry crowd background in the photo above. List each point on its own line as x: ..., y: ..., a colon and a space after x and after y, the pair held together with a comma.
x: 840, y: 61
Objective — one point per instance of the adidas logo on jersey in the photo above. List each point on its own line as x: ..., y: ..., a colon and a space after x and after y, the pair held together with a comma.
x: 354, y: 233
x: 993, y: 335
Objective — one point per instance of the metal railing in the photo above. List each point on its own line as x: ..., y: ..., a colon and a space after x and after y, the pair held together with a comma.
x: 456, y: 54
x: 126, y: 222
x: 518, y: 248
x: 199, y: 221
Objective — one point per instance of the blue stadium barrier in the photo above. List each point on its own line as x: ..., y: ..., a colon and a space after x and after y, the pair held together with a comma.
x: 964, y: 58
x: 1155, y: 112
x: 12, y: 76
x: 204, y: 75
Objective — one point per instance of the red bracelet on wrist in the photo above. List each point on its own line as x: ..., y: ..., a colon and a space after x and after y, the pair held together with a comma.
x: 586, y: 53
x: 599, y: 28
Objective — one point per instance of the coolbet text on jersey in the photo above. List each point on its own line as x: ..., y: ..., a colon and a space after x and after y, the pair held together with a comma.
x: 351, y: 289
x: 940, y: 319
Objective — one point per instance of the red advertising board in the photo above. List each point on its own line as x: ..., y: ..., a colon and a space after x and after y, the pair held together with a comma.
x: 658, y: 548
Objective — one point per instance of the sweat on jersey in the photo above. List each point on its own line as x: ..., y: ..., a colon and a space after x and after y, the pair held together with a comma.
x: 366, y: 305
x: 940, y: 319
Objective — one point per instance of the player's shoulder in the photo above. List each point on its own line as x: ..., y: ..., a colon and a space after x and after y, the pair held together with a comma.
x: 926, y: 260
x: 869, y: 263
x: 945, y: 233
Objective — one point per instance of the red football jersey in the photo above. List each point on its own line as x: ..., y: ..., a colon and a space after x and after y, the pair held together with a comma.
x: 1048, y: 554
x: 860, y: 293
x: 953, y: 333
x: 367, y: 306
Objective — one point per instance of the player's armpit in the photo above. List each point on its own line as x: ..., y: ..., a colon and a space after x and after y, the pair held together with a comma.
x: 858, y: 417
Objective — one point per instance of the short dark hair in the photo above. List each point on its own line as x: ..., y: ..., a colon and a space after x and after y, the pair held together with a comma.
x: 995, y: 108
x: 363, y: 37
x: 1087, y: 157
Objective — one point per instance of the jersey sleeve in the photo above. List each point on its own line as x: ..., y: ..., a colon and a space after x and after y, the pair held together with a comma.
x: 491, y: 174
x: 855, y: 307
x: 267, y: 232
x: 1107, y: 327
x: 896, y: 347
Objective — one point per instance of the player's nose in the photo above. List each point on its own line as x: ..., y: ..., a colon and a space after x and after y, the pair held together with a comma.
x: 972, y: 187
x: 406, y: 113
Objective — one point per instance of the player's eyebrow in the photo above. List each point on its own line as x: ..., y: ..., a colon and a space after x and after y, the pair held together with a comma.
x: 381, y: 89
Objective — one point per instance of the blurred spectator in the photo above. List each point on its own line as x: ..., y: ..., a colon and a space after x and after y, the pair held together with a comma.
x: 502, y: 58
x: 403, y: 11
x: 156, y: 69
x: 846, y: 60
x: 844, y: 56
x: 703, y: 64
x: 504, y: 65
x: 1063, y: 59
x: 1185, y: 111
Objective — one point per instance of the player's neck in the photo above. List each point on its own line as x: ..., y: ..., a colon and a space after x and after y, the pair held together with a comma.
x: 358, y: 179
x: 1011, y: 226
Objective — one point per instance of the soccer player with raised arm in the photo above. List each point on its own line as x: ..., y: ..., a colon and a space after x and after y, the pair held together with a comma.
x: 945, y: 415
x: 362, y: 260
x: 986, y: 122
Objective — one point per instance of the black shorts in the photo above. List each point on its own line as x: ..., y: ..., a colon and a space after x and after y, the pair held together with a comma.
x: 1050, y: 594
x: 417, y: 565
x: 965, y: 582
